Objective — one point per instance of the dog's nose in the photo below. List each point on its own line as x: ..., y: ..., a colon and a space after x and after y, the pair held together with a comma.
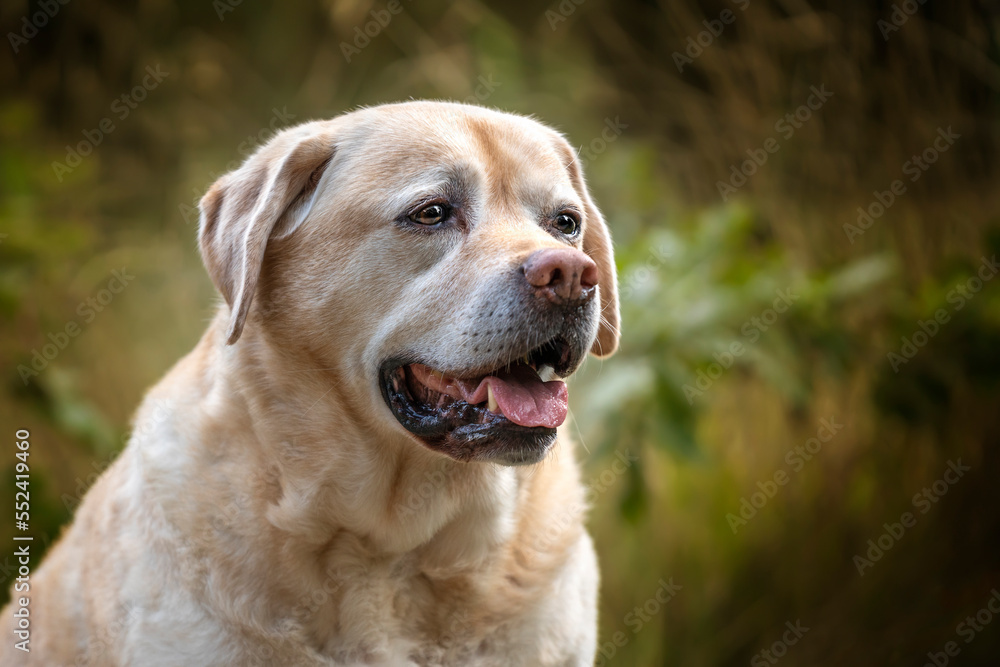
x: 561, y: 274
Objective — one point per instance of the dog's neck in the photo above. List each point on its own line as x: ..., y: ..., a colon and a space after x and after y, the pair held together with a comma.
x: 336, y: 467
x: 296, y: 493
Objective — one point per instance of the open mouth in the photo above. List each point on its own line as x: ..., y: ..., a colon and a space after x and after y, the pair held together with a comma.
x: 508, y: 414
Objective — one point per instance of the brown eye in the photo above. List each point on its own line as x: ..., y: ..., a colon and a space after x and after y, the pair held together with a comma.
x: 566, y: 223
x: 431, y: 215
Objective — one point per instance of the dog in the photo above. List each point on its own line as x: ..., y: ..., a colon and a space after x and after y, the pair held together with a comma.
x: 360, y: 463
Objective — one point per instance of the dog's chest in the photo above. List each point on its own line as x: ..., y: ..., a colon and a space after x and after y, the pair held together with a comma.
x: 392, y: 615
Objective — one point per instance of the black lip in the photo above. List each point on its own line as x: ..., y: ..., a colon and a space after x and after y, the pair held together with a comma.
x: 471, y: 432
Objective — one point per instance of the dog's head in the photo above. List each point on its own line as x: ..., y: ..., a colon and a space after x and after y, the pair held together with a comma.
x: 444, y: 261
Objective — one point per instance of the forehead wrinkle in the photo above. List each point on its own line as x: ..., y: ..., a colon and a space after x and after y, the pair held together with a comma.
x: 406, y: 170
x: 507, y: 165
x: 547, y: 194
x: 500, y: 165
x: 526, y: 163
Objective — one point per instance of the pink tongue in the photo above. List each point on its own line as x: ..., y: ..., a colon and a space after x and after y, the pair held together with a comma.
x: 524, y: 399
x: 520, y: 394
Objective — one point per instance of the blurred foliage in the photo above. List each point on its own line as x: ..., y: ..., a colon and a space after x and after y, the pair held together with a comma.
x: 701, y: 432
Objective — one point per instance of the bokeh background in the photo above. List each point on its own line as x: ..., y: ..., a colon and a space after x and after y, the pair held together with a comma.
x: 663, y: 110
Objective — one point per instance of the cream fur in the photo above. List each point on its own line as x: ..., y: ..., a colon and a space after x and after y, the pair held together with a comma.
x: 270, y: 510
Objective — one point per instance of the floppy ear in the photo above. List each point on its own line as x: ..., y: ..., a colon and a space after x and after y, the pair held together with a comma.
x: 597, y: 244
x: 266, y: 198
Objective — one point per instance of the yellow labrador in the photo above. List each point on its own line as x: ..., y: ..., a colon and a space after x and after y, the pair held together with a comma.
x: 360, y: 462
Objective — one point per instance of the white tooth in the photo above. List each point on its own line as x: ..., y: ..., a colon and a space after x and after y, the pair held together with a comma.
x: 547, y: 373
x: 491, y: 400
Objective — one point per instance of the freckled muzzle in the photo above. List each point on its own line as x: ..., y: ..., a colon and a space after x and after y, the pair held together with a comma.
x: 497, y: 392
